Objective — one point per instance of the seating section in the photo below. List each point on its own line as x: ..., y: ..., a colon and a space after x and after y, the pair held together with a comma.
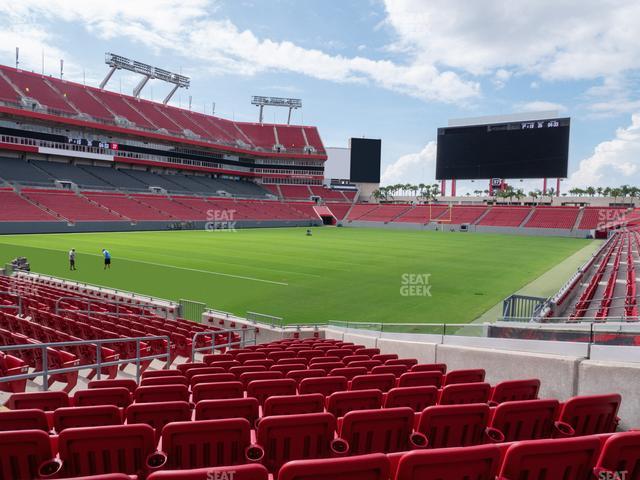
x: 595, y: 217
x: 295, y: 192
x: 553, y: 217
x: 69, y: 205
x: 16, y: 208
x: 505, y: 216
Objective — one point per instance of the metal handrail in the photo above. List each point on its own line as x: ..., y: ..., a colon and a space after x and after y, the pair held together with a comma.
x: 229, y: 332
x: 46, y: 373
x: 90, y: 300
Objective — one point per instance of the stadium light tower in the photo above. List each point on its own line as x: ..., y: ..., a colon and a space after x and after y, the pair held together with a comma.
x: 290, y: 103
x: 148, y: 72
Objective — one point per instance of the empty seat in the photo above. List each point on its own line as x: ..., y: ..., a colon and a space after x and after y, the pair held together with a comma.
x: 348, y: 372
x: 216, y: 357
x: 383, y: 382
x: 430, y: 367
x: 161, y: 373
x: 380, y: 431
x: 339, y: 403
x: 162, y: 393
x: 97, y: 415
x: 22, y: 453
x: 416, y: 398
x: 47, y: 401
x: 383, y: 357
x: 369, y: 352
x: 592, y: 414
x: 212, y: 378
x: 218, y: 390
x: 298, y: 375
x: 247, y: 377
x: 158, y: 414
x: 397, y: 370
x: 457, y: 425
x: 118, y: 396
x: 464, y: 376
x: 293, y: 404
x: 127, y: 383
x: 529, y: 420
x: 620, y: 453
x: 99, y: 450
x: 566, y: 459
x: 180, y: 380
x: 364, y: 467
x: 368, y: 364
x: 460, y: 393
x: 511, y: 390
x: 183, y: 367
x: 296, y: 437
x: 420, y: 379
x: 25, y: 419
x: 247, y: 408
x: 235, y: 472
x: 192, y: 372
x: 263, y: 389
x: 237, y: 371
x: 324, y: 385
x: 225, y: 364
x: 286, y: 368
x: 407, y: 362
x: 478, y: 463
x: 207, y: 443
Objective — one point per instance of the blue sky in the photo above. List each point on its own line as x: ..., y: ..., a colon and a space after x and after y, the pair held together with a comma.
x: 392, y: 69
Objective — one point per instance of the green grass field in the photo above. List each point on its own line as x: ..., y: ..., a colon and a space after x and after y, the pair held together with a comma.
x: 349, y: 274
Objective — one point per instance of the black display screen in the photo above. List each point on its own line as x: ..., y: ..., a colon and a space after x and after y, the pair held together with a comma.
x: 365, y: 160
x: 528, y: 149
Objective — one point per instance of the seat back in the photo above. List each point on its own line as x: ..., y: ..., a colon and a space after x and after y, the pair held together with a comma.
x: 381, y: 381
x: 348, y: 372
x: 621, y: 453
x: 512, y: 390
x: 174, y: 380
x: 247, y: 377
x: 464, y: 376
x: 206, y: 443
x: 162, y: 393
x: 263, y: 389
x: 397, y: 370
x: 430, y: 367
x: 118, y: 396
x: 247, y: 408
x: 293, y: 404
x: 463, y: 393
x: 324, y: 385
x: 75, y: 417
x: 384, y: 430
x: 295, y: 437
x: 47, y: 401
x: 299, y: 375
x: 25, y: 419
x: 454, y: 425
x: 526, y: 419
x: 363, y: 467
x: 416, y: 398
x: 158, y: 414
x: 235, y: 472
x: 217, y: 390
x: 339, y: 403
x: 420, y: 379
x: 98, y: 450
x: 127, y: 383
x: 566, y: 459
x: 22, y: 453
x: 592, y: 414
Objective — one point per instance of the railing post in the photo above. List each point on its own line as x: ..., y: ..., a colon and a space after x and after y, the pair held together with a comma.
x: 45, y: 369
x: 137, y: 360
x: 168, y: 362
x: 99, y: 359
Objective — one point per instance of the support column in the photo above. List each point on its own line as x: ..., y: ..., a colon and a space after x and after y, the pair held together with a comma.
x: 443, y: 188
x: 557, y: 187
x: 453, y: 187
x: 544, y: 186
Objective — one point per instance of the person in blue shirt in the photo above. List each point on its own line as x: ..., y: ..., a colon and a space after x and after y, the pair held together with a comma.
x: 107, y: 258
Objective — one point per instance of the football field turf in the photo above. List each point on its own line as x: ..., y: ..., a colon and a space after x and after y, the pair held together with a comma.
x: 348, y: 274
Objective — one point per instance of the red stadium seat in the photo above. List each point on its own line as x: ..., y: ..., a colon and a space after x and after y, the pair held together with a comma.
x: 118, y: 396
x: 327, y: 367
x: 22, y: 453
x: 297, y: 437
x: 383, y: 382
x: 461, y: 393
x: 217, y: 391
x: 298, y: 375
x: 457, y: 425
x: 464, y: 376
x: 293, y: 404
x: 158, y: 414
x: 275, y: 356
x: 380, y: 431
x: 407, y: 362
x: 25, y: 419
x: 183, y: 367
x: 340, y: 403
x: 247, y: 377
x: 10, y: 365
x: 286, y: 368
x: 247, y: 408
x: 145, y: 382
x: 162, y: 393
x: 430, y: 367
x: 620, y: 453
x: 529, y: 420
x: 225, y: 364
x: 216, y: 357
x: 383, y: 357
x: 368, y: 364
x: 94, y: 416
x: 321, y: 360
x: 397, y: 370
x: 208, y: 443
x: 212, y: 378
x: 161, y: 373
x: 593, y: 414
x: 420, y: 379
x: 235, y: 472
x: 416, y: 398
x: 263, y: 389
x: 127, y: 383
x: 363, y: 467
x: 369, y: 352
x: 47, y: 401
x: 511, y: 390
x: 477, y: 463
x: 243, y: 357
x: 566, y: 459
x: 324, y: 385
x: 237, y: 371
x: 348, y: 372
x: 265, y: 362
x: 192, y: 372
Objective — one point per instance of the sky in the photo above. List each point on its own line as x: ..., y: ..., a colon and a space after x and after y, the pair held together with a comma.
x: 390, y: 69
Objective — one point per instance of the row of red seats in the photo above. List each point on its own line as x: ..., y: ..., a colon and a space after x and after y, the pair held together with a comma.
x: 607, y: 294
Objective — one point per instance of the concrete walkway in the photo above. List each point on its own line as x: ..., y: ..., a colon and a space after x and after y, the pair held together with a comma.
x: 549, y: 282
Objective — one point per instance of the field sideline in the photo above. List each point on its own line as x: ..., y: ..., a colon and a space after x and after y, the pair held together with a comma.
x: 353, y: 274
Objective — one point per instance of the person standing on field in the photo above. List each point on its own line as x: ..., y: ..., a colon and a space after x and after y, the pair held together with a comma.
x: 107, y: 258
x: 72, y: 259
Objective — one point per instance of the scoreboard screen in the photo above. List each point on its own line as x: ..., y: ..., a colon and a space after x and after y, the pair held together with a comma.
x: 526, y: 149
x: 365, y: 160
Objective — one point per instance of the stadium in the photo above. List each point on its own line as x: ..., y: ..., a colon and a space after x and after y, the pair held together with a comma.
x: 189, y: 296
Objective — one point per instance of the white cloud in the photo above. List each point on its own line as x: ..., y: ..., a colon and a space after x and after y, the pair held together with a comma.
x: 540, y: 106
x: 412, y: 168
x: 613, y: 162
